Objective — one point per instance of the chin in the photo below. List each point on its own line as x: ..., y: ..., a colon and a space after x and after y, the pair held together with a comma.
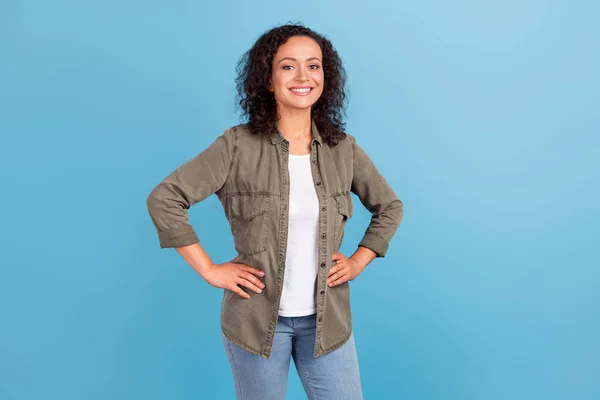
x: 302, y: 104
x: 297, y: 105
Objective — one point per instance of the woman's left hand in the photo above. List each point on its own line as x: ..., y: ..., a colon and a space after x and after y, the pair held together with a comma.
x: 345, y: 269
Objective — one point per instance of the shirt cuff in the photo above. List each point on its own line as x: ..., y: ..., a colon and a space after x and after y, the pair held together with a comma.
x: 376, y: 243
x: 177, y: 238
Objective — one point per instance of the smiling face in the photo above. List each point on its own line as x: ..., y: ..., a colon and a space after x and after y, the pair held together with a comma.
x: 297, y: 77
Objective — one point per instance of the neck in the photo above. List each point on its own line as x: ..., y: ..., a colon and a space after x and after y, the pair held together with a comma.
x: 295, y: 124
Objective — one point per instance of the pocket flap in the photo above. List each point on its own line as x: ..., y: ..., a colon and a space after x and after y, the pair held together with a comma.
x: 344, y: 204
x: 249, y: 206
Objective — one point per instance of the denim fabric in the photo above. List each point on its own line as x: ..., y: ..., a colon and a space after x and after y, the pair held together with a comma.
x: 330, y: 377
x: 249, y: 174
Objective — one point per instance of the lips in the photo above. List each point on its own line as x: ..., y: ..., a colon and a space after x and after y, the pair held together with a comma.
x: 301, y: 91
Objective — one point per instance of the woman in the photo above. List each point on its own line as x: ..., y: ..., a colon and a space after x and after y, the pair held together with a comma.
x: 284, y: 179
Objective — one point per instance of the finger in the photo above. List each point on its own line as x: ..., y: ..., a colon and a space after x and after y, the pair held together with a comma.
x: 337, y: 269
x: 337, y: 256
x: 249, y: 285
x: 334, y: 269
x: 248, y: 276
x: 339, y: 281
x: 335, y: 276
x: 255, y: 271
x: 238, y: 290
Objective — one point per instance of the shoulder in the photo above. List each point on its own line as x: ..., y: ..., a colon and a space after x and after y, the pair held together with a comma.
x: 351, y: 140
x: 242, y: 133
x: 345, y: 145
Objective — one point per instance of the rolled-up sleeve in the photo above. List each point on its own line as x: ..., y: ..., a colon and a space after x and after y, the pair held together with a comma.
x: 379, y: 198
x: 192, y: 182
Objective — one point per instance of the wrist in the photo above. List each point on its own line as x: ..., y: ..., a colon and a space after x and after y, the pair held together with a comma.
x: 357, y: 263
x: 206, y: 270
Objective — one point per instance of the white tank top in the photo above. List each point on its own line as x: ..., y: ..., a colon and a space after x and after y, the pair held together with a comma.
x: 301, y: 266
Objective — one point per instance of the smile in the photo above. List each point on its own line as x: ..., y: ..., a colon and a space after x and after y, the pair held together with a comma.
x: 301, y: 91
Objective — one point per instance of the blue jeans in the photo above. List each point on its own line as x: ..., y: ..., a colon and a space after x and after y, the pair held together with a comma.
x: 332, y: 376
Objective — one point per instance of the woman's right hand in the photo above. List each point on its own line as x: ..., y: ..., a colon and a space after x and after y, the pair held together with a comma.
x: 229, y: 275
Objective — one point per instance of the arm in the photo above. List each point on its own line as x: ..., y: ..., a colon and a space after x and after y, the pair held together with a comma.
x: 387, y: 211
x: 378, y: 197
x: 192, y: 182
x: 170, y: 200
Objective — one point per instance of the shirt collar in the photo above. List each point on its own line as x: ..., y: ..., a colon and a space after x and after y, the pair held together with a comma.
x: 278, y: 137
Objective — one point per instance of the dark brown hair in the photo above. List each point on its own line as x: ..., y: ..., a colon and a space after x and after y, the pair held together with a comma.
x: 258, y: 105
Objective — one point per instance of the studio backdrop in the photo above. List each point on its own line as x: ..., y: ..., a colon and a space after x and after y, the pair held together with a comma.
x: 483, y: 116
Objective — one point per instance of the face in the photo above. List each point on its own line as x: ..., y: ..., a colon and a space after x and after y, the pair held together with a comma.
x: 297, y: 77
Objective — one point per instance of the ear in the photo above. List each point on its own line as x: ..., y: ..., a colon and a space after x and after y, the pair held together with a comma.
x: 269, y: 86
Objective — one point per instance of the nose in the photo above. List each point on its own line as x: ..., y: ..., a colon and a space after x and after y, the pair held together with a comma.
x: 302, y: 76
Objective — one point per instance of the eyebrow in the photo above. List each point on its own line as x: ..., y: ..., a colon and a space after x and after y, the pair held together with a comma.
x: 293, y: 59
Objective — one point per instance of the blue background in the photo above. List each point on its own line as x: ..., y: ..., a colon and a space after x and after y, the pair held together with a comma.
x: 484, y: 116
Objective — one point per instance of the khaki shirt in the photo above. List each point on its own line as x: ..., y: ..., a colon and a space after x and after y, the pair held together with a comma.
x: 249, y: 174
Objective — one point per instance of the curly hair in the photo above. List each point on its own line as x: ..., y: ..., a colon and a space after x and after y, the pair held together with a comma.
x: 258, y: 104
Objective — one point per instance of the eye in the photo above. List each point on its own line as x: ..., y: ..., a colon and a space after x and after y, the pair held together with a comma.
x: 314, y: 66
x: 287, y: 67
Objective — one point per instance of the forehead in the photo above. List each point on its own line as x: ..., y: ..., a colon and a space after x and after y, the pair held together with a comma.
x: 300, y: 47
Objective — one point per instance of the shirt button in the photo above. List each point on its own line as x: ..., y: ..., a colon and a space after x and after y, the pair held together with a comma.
x: 284, y: 207
x: 324, y: 209
x: 318, y: 183
x: 314, y: 161
x: 320, y: 319
x: 322, y: 265
x: 322, y: 292
x: 284, y: 182
x: 323, y: 236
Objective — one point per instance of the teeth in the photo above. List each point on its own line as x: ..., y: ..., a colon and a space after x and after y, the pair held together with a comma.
x: 304, y: 90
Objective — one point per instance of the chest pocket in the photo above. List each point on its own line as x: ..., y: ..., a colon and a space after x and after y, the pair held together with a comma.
x: 344, y: 212
x: 248, y: 219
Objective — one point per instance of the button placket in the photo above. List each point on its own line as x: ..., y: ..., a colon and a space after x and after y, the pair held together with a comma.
x: 283, y: 233
x: 322, y: 244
